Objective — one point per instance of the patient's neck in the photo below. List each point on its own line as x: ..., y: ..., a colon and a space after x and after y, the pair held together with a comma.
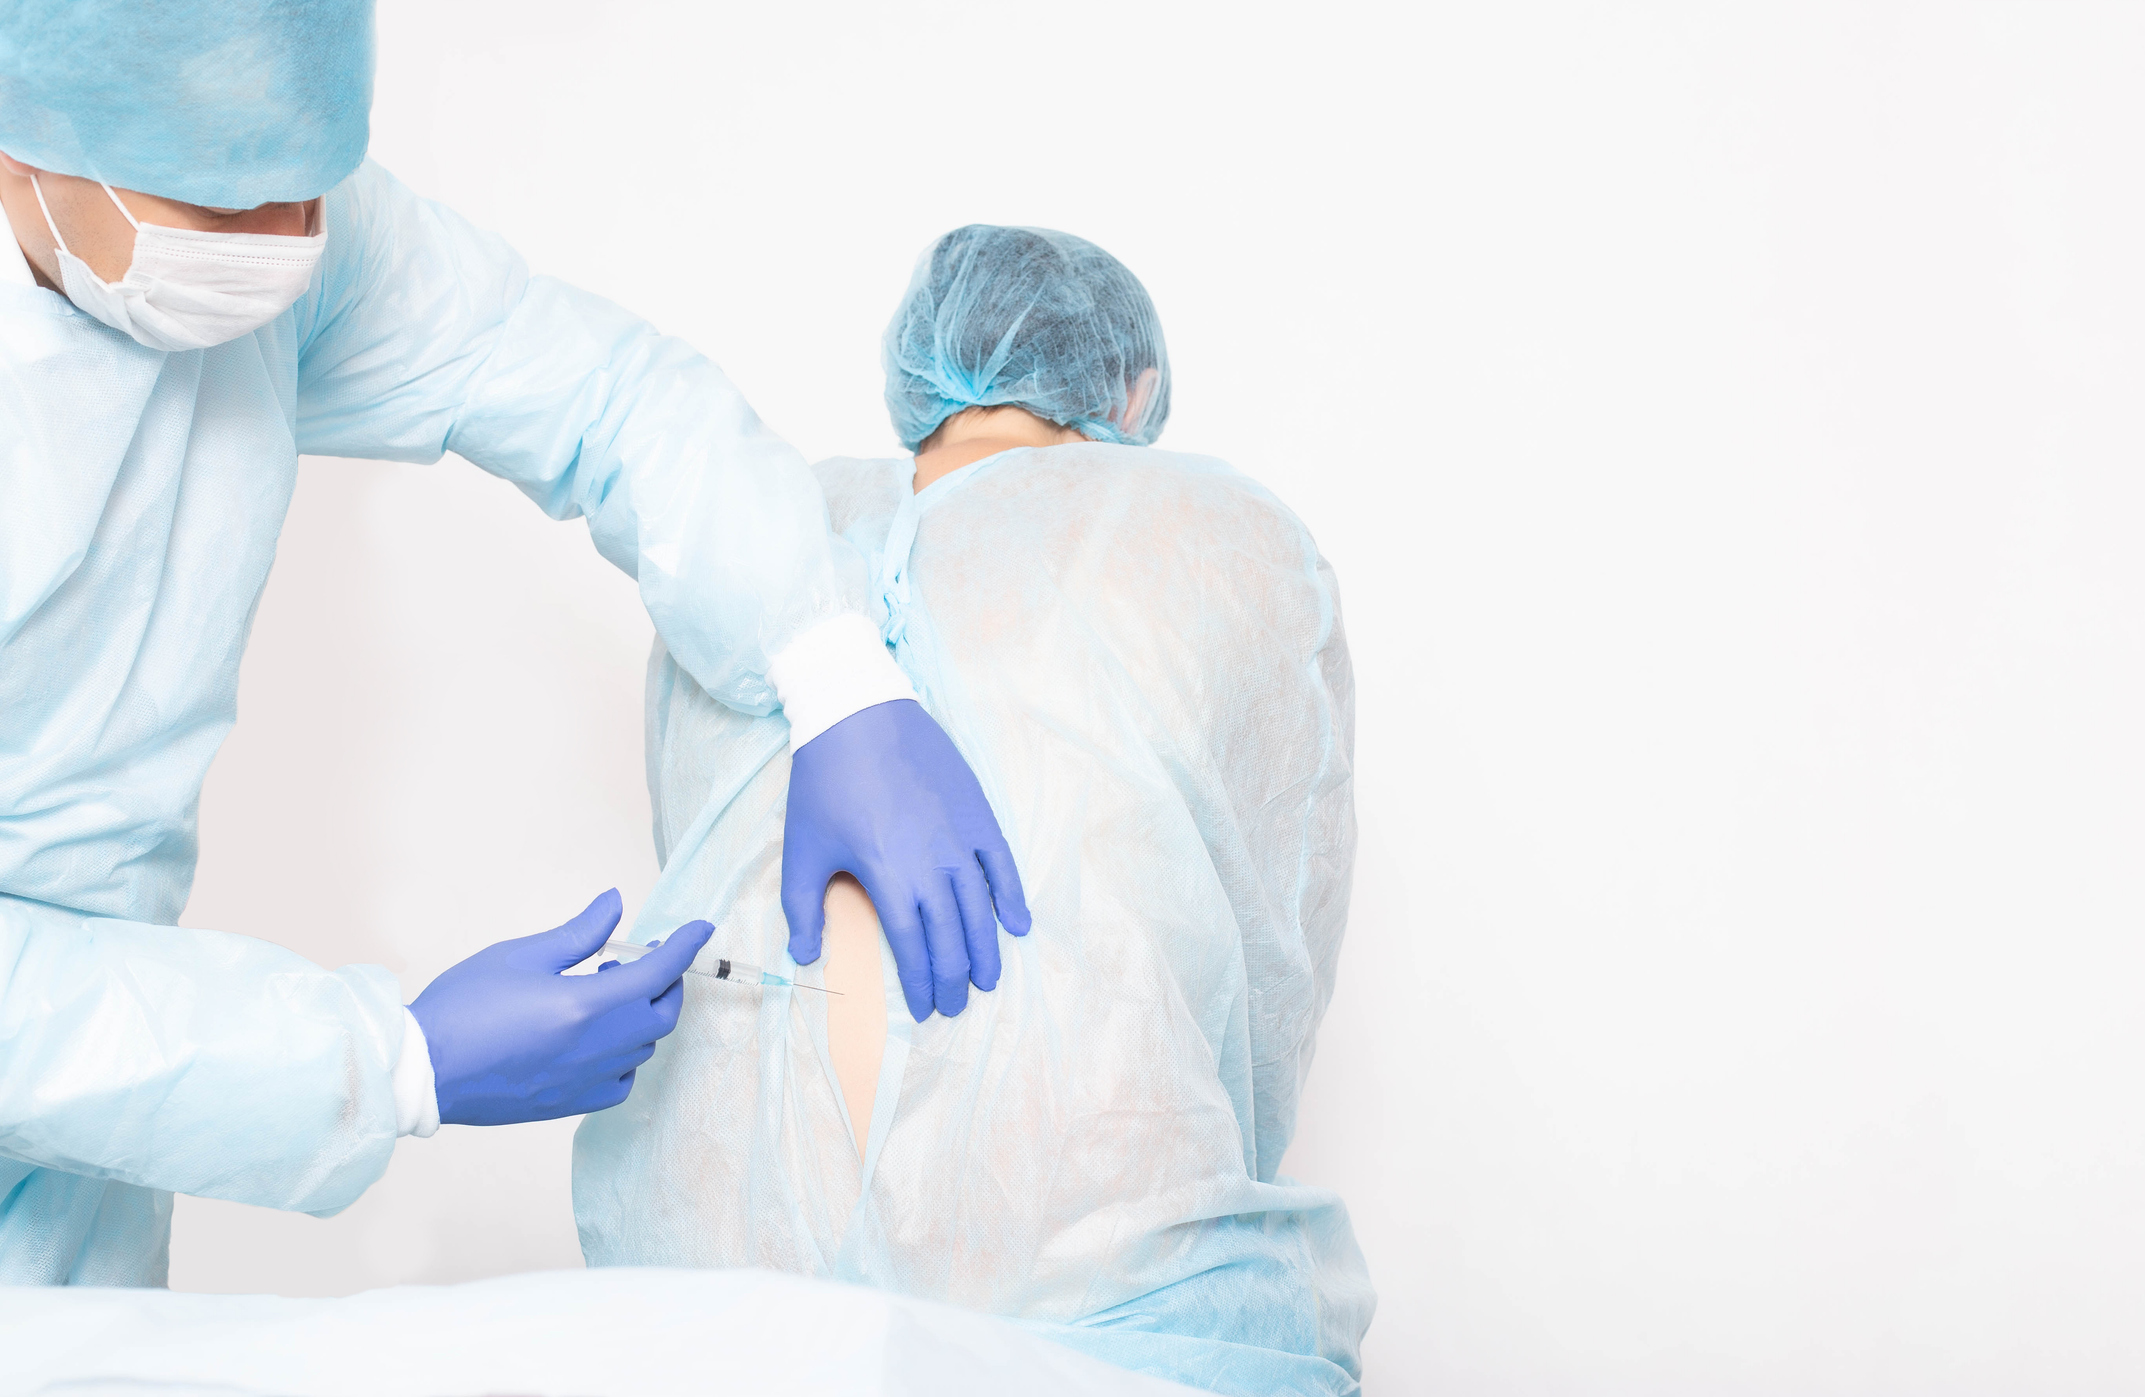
x: 974, y: 433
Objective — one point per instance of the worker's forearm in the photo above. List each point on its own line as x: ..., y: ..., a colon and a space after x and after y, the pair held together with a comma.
x: 195, y: 1061
x: 427, y: 334
x: 716, y: 517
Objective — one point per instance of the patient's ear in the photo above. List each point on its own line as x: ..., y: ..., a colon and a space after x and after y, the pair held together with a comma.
x: 1142, y: 392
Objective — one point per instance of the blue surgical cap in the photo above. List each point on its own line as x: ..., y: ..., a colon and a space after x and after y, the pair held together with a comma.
x: 229, y: 103
x: 1041, y: 320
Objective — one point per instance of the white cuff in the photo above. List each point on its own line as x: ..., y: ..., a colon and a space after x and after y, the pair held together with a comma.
x: 837, y: 667
x: 416, y: 1095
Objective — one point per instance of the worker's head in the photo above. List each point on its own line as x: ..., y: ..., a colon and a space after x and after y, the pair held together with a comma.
x: 1025, y: 316
x: 136, y: 138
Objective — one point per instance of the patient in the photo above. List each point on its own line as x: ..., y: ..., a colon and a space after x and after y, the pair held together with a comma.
x: 1141, y: 655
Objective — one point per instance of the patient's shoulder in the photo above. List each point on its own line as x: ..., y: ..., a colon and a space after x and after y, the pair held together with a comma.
x: 1119, y: 542
x: 1104, y: 501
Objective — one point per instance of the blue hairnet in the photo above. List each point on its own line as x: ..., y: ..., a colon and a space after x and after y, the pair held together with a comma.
x: 229, y: 103
x: 1027, y: 316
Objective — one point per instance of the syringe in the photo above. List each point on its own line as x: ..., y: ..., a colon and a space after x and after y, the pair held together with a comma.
x: 734, y: 972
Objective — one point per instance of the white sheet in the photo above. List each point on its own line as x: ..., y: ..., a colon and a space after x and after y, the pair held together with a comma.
x: 640, y: 1331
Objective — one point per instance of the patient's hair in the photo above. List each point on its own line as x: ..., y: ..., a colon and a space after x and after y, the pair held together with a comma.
x: 1030, y: 317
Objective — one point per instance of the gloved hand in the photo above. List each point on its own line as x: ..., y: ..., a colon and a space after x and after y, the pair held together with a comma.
x: 885, y: 796
x: 514, y: 1040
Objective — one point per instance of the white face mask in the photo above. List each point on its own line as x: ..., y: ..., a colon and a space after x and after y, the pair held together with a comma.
x: 187, y: 289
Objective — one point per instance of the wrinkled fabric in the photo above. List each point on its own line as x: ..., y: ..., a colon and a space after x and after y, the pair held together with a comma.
x: 1141, y: 655
x: 632, y: 1333
x: 143, y: 495
x: 140, y: 1060
x: 1031, y: 318
x: 228, y: 103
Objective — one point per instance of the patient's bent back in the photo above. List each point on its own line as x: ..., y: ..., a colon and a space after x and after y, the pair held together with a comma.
x: 1141, y: 655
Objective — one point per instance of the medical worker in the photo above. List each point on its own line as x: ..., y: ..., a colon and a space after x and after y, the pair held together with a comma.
x: 200, y: 278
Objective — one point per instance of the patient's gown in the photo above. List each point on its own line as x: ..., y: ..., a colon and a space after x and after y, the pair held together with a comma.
x: 1141, y: 655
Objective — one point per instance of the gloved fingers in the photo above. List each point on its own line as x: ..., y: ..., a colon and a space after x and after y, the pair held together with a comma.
x: 613, y: 1044
x: 605, y: 1094
x: 606, y: 1036
x: 1012, y: 899
x: 947, y: 944
x: 667, y: 1006
x: 579, y: 938
x: 804, y: 902
x: 619, y: 1064
x: 979, y: 924
x: 904, y: 928
x: 614, y: 964
x: 649, y: 977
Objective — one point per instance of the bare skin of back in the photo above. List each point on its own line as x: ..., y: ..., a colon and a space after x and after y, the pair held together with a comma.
x: 856, y: 1016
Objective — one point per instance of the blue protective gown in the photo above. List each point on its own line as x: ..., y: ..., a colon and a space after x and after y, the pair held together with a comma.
x: 141, y: 494
x: 1142, y: 656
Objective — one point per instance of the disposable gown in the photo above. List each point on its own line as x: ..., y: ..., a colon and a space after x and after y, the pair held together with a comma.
x: 140, y: 498
x: 1141, y: 655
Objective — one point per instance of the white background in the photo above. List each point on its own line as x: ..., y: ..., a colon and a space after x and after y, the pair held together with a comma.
x: 1725, y: 422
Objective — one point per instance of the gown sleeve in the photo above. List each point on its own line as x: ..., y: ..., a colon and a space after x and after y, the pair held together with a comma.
x: 200, y: 1062
x: 425, y: 335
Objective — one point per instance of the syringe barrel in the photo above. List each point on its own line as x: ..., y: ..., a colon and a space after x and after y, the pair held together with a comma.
x: 735, y: 972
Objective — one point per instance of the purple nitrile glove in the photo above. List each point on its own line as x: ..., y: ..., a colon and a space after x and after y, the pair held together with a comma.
x: 512, y: 1039
x: 886, y: 797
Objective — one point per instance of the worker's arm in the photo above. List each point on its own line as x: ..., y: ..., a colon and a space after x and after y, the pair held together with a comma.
x: 198, y: 1061
x: 212, y: 1064
x: 424, y: 335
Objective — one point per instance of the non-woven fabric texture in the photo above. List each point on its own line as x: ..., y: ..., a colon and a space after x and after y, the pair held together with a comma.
x: 1141, y: 654
x: 1032, y: 318
x: 635, y: 1333
x: 229, y: 103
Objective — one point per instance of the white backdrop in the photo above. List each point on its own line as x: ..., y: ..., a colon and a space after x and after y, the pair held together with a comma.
x: 1725, y: 422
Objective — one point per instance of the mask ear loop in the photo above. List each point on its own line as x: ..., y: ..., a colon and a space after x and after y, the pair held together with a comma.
x: 132, y: 222
x: 47, y: 212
